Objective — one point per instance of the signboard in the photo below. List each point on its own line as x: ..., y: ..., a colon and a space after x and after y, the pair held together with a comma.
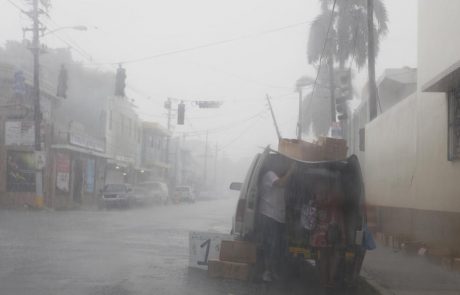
x: 20, y: 171
x: 40, y: 160
x: 90, y: 174
x: 62, y: 172
x: 19, y: 133
x: 204, y: 246
x: 86, y: 142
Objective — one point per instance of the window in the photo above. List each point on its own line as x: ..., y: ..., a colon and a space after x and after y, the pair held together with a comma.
x: 362, y: 139
x: 453, y: 125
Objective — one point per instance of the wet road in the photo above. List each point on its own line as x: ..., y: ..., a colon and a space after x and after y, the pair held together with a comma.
x: 119, y: 252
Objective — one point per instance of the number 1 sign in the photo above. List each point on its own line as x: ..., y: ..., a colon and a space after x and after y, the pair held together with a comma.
x: 205, y: 246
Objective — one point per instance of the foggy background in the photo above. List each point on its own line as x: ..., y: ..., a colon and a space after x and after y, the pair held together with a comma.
x: 267, y: 57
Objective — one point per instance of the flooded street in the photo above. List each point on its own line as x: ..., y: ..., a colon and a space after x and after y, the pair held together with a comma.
x: 138, y: 251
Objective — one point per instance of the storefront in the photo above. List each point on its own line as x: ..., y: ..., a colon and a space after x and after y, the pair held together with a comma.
x: 78, y: 176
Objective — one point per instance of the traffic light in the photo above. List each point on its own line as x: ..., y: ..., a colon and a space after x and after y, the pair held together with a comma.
x: 210, y: 104
x: 343, y: 93
x: 120, y: 82
x: 180, y: 113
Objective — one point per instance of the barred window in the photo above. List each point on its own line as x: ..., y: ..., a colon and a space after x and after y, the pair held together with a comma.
x: 453, y: 131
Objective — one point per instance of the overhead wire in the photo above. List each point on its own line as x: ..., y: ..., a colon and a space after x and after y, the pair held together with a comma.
x: 206, y: 45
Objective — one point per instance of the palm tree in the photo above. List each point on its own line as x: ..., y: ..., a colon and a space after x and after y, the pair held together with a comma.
x: 347, y: 38
x: 348, y: 34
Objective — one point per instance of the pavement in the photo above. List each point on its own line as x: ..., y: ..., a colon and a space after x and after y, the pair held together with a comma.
x: 122, y: 252
x: 397, y: 273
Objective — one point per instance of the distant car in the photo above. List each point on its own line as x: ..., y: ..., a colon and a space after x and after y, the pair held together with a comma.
x: 116, y: 195
x: 152, y: 192
x: 184, y: 194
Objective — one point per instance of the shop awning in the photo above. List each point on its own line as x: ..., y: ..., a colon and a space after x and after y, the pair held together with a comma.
x: 72, y: 148
x: 444, y: 81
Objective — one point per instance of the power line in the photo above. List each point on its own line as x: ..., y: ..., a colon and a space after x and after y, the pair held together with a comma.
x: 206, y: 45
x: 239, y: 136
x: 17, y: 6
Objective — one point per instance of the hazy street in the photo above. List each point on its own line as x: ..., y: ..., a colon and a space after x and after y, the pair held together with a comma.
x: 140, y: 251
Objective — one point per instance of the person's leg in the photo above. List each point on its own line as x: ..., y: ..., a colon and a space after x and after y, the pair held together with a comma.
x: 277, y: 247
x: 323, y: 265
x: 267, y: 238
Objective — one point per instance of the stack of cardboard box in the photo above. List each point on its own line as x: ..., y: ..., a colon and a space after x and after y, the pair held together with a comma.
x: 235, y: 261
x: 325, y: 149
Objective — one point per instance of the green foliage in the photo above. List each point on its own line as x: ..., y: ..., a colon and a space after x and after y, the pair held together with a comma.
x: 348, y: 34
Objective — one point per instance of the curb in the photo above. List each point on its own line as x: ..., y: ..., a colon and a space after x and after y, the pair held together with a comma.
x: 375, y: 284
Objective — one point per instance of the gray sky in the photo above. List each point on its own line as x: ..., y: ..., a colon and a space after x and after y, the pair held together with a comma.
x: 240, y: 73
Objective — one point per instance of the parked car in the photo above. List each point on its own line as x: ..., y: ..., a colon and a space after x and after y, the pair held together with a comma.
x: 152, y: 192
x: 116, y: 195
x: 246, y: 225
x: 184, y: 194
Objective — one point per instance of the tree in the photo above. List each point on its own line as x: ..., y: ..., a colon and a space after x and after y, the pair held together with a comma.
x: 348, y: 33
x: 347, y: 38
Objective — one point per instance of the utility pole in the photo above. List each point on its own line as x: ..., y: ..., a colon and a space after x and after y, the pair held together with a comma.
x: 299, y: 124
x: 205, y: 169
x: 168, y: 139
x: 34, y: 15
x: 215, y: 165
x: 371, y: 60
x: 273, y: 117
x: 36, y: 54
x: 330, y: 63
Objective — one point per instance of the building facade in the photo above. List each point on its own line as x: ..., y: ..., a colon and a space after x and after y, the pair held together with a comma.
x: 411, y: 151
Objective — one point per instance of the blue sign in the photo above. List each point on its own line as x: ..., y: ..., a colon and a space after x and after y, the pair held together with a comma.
x: 19, y: 84
x: 90, y: 175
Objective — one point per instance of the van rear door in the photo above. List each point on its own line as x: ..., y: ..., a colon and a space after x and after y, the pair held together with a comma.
x: 252, y: 195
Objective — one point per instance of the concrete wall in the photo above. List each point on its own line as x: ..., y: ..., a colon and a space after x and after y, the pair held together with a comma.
x: 436, y: 179
x: 406, y: 147
x: 390, y: 156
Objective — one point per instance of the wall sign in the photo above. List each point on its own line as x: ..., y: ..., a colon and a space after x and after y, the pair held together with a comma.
x: 62, y: 172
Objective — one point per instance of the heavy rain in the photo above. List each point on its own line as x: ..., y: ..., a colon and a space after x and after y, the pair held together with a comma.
x: 229, y: 147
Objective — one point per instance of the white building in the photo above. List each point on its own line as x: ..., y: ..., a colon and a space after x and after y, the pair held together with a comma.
x: 412, y: 149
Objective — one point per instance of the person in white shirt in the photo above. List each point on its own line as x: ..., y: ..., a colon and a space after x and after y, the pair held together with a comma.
x: 272, y: 209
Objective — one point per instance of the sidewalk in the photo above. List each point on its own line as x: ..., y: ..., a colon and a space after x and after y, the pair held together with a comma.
x: 397, y: 273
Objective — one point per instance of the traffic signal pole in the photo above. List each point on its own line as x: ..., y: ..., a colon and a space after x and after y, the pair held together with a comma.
x: 37, y: 112
x: 36, y: 55
x: 371, y: 60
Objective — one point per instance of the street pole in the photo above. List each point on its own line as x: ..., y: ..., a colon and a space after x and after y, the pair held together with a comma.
x: 36, y: 55
x: 371, y: 60
x: 205, y: 160
x: 299, y: 124
x: 215, y: 165
x: 330, y: 63
x: 37, y: 112
x: 168, y: 144
x: 168, y: 139
x: 273, y: 117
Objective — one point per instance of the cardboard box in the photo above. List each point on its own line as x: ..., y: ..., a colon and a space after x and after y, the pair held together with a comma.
x: 333, y: 148
x: 238, y: 251
x: 299, y: 149
x: 228, y: 270
x: 291, y: 147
